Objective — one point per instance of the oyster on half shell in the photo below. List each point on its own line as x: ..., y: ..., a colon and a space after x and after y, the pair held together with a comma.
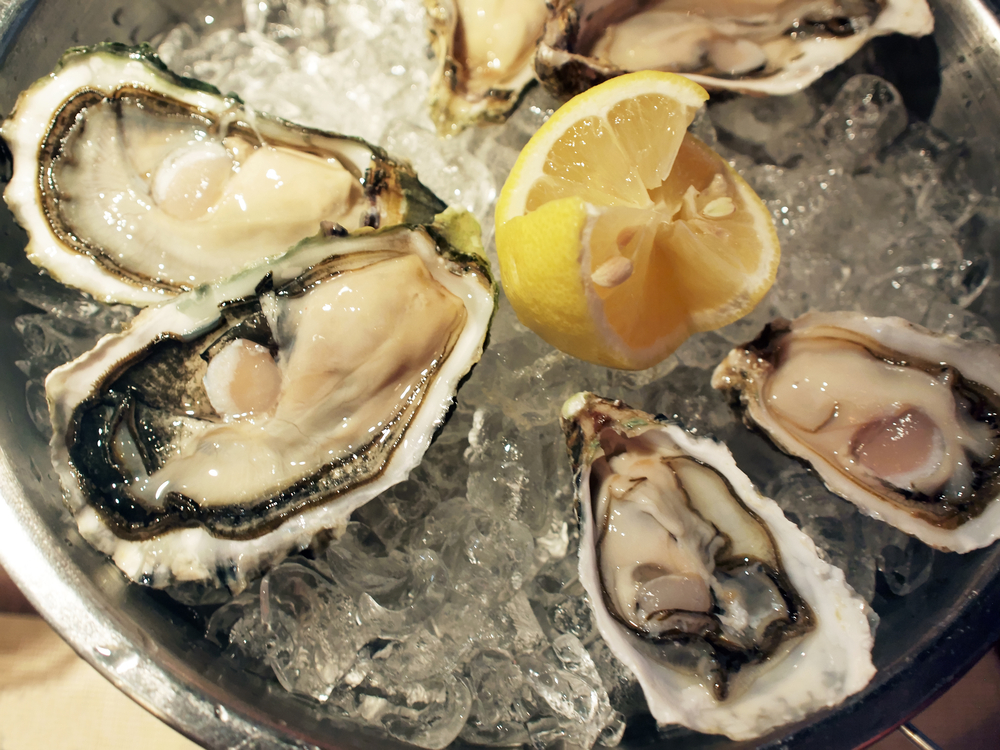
x: 233, y: 424
x: 764, y: 46
x: 721, y: 607
x: 484, y: 50
x: 135, y: 184
x: 903, y: 422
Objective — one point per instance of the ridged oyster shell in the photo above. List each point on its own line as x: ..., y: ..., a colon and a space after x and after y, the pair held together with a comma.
x: 824, y: 653
x: 765, y: 48
x: 369, y: 337
x: 484, y: 50
x: 135, y: 184
x: 903, y: 422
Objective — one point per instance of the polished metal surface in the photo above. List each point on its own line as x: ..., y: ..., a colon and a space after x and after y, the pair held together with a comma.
x: 152, y: 649
x: 918, y: 738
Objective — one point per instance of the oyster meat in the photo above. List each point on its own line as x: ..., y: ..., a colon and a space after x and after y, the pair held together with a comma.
x: 721, y: 607
x: 903, y: 422
x: 233, y: 424
x: 484, y: 50
x: 135, y: 184
x: 765, y: 46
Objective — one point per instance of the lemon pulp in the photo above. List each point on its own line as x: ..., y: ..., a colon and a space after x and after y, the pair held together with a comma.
x: 619, y: 234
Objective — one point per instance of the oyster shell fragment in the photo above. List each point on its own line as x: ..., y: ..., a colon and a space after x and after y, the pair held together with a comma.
x: 484, y: 50
x: 766, y: 46
x: 721, y: 607
x: 135, y: 184
x: 903, y: 422
x: 233, y: 424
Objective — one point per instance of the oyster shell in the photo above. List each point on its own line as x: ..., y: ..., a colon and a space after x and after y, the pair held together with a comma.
x: 231, y: 425
x: 903, y: 422
x: 484, y: 50
x: 720, y: 606
x: 767, y: 47
x: 135, y: 184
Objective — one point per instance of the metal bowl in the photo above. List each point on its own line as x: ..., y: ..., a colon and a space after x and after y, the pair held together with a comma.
x: 150, y: 648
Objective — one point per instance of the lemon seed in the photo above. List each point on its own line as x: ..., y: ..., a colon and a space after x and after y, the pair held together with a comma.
x: 612, y: 272
x: 718, y: 208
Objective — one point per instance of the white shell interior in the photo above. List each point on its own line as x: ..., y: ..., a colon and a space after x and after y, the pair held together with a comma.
x: 976, y: 361
x: 828, y: 664
x: 738, y: 38
x: 172, y: 205
x: 485, y: 50
x: 193, y: 554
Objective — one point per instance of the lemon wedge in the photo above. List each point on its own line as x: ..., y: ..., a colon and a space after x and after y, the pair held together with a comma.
x: 619, y: 234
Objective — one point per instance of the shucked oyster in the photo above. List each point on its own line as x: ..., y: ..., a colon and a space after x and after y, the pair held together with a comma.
x: 134, y: 183
x: 484, y: 50
x: 720, y: 606
x: 231, y: 425
x: 764, y: 46
x: 902, y: 422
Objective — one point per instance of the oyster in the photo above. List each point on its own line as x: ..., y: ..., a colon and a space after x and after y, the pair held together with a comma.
x: 231, y: 425
x: 903, y: 422
x: 720, y: 606
x: 484, y: 50
x: 135, y: 184
x: 768, y: 46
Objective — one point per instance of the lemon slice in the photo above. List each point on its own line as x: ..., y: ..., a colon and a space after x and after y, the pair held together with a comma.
x: 619, y: 234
